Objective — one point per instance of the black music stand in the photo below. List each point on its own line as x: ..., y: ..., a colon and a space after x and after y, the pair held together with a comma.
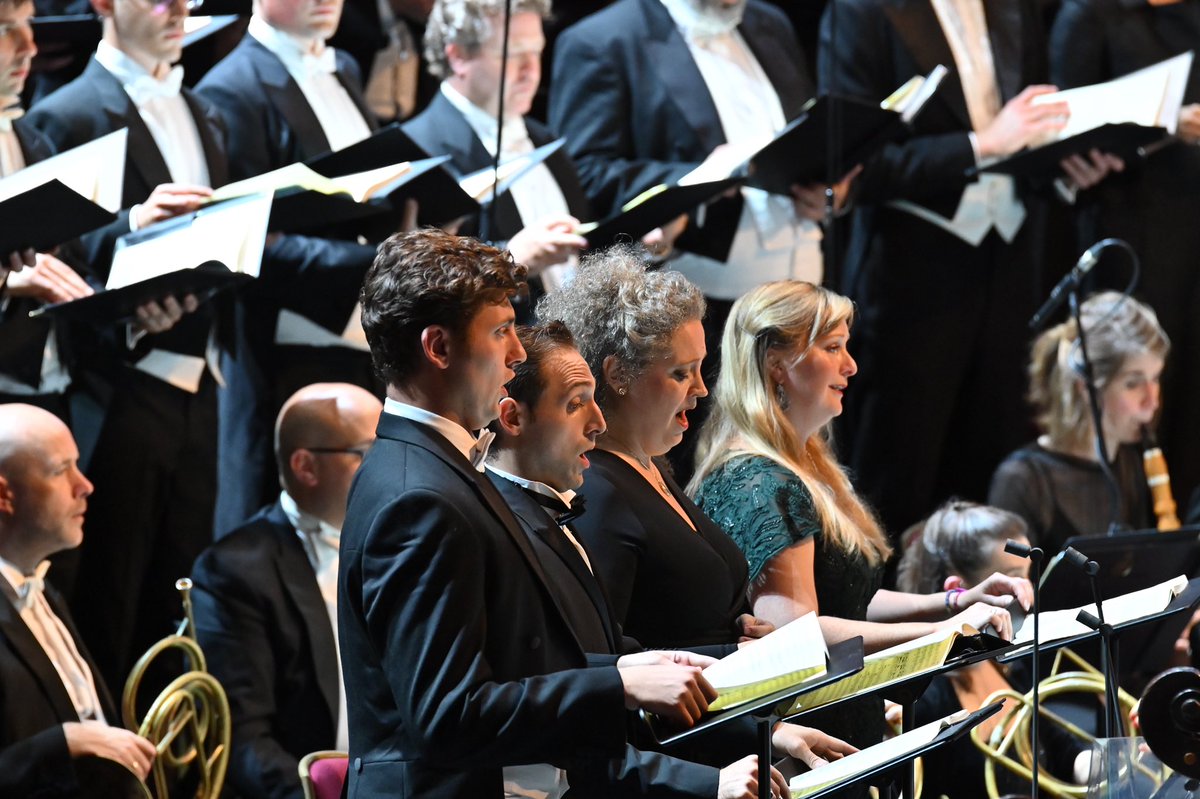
x: 952, y: 732
x: 906, y: 690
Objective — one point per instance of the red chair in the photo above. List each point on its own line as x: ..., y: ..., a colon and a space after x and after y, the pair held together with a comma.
x: 322, y: 774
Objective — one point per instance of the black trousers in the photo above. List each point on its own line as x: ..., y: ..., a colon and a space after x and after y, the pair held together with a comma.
x: 941, y: 342
x: 154, y: 471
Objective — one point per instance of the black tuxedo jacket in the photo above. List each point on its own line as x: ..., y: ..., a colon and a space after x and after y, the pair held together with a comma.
x: 441, y: 129
x: 95, y: 104
x: 638, y: 773
x: 271, y: 124
x: 36, y: 705
x: 633, y: 106
x: 457, y: 659
x: 266, y: 635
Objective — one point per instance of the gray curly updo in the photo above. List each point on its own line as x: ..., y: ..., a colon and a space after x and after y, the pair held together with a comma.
x: 615, y: 307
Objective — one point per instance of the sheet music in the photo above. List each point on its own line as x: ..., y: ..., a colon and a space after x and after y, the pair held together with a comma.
x: 1056, y: 625
x: 1151, y: 97
x: 233, y: 233
x: 95, y: 170
x: 794, y: 652
x: 872, y: 757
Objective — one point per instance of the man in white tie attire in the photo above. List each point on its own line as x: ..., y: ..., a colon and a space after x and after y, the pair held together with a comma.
x: 56, y: 707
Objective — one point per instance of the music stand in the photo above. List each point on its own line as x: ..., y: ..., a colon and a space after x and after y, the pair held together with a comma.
x: 907, y: 689
x: 952, y: 732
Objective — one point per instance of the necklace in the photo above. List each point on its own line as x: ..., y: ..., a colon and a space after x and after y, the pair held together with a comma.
x: 649, y: 470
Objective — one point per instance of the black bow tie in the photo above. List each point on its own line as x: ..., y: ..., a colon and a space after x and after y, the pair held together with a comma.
x: 563, y: 513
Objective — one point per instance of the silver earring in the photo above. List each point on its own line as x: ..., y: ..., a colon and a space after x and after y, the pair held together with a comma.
x: 621, y: 391
x: 781, y: 397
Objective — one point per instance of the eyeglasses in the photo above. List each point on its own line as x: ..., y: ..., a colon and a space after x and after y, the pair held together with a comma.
x: 361, y: 452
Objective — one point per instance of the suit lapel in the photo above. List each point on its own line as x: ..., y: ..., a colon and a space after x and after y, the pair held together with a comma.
x: 30, y: 652
x: 467, y: 153
x: 300, y: 582
x: 564, y: 173
x: 34, y: 146
x: 285, y: 95
x: 400, y: 429
x: 677, y: 71
x: 793, y: 87
x: 1004, y: 33
x: 539, y: 522
x: 207, y: 125
x: 142, y: 153
x: 917, y: 24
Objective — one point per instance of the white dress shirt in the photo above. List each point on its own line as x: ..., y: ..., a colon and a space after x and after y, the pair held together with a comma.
x: 537, y: 194
x: 314, y: 68
x: 27, y: 594
x: 11, y: 158
x: 771, y: 242
x: 991, y: 201
x: 321, y: 542
x: 165, y: 113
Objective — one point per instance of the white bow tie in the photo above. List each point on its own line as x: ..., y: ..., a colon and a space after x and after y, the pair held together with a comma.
x: 325, y: 63
x: 145, y: 88
x: 7, y: 116
x: 34, y: 584
x: 479, y: 449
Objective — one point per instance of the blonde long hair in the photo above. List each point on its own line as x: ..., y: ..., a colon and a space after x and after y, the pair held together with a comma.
x: 788, y: 316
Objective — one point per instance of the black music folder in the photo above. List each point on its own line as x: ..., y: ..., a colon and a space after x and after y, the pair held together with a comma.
x: 1125, y: 140
x: 652, y: 209
x: 116, y: 306
x: 46, y: 216
x: 800, y: 153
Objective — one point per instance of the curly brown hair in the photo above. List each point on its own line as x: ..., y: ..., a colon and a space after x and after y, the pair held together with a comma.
x: 423, y: 278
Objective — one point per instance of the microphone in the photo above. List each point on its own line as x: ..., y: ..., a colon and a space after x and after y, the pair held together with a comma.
x: 1070, y: 281
x: 1081, y: 561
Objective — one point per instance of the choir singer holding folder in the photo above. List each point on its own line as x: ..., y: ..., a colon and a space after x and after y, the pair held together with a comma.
x: 946, y: 269
x: 537, y: 218
x: 286, y: 97
x: 155, y: 456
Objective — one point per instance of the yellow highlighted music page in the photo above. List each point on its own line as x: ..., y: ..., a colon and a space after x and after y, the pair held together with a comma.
x: 786, y: 657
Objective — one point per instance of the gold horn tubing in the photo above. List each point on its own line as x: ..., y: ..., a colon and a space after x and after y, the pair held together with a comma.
x: 188, y: 722
x: 1009, y: 744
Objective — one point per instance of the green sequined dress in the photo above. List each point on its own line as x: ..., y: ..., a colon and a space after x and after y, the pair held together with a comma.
x: 765, y: 509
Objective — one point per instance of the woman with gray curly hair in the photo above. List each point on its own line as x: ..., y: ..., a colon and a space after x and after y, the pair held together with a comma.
x: 673, y: 577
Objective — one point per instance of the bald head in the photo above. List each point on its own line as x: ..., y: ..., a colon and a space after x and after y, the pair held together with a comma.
x: 43, y: 495
x: 320, y: 434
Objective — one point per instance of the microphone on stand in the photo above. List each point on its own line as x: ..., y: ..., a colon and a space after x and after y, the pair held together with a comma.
x: 1096, y: 622
x: 1070, y: 281
x: 1035, y: 555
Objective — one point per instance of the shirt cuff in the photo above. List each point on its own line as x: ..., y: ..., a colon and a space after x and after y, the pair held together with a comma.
x: 133, y: 214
